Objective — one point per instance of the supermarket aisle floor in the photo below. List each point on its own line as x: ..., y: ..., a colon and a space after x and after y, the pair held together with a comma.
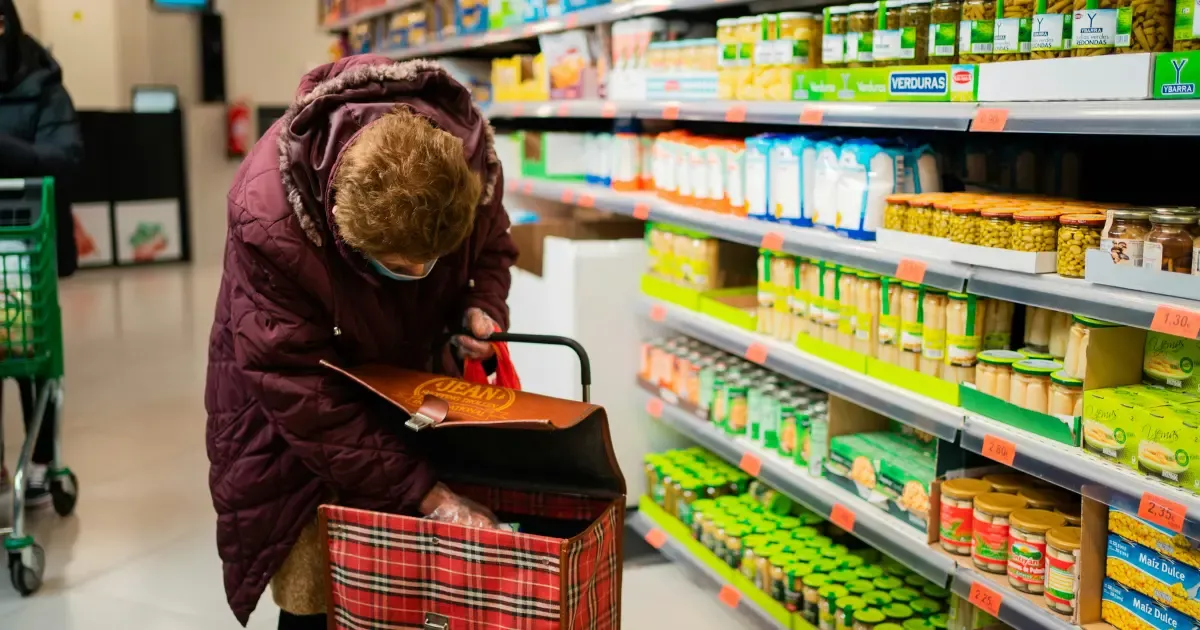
x: 140, y: 552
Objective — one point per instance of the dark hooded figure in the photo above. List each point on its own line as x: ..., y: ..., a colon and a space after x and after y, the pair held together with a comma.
x: 39, y: 137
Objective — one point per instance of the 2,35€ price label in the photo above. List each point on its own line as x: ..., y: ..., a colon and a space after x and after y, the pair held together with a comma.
x: 1162, y: 512
x: 1173, y: 320
x: 984, y: 597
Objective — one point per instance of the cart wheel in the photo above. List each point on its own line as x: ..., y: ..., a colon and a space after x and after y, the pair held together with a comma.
x: 27, y: 578
x: 64, y: 492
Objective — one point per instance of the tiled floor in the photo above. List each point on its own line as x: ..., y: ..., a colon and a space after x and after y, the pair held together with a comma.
x: 139, y: 554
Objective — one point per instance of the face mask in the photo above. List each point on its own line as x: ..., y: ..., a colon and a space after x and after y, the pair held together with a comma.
x: 392, y: 275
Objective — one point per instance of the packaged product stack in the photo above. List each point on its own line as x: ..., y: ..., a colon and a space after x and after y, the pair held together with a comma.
x: 892, y: 469
x: 822, y: 575
x: 696, y: 262
x: 1153, y: 574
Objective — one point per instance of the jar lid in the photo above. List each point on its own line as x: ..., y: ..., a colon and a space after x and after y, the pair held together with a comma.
x: 781, y: 559
x: 998, y: 503
x: 1083, y: 219
x: 727, y: 22
x: 965, y: 488
x: 1036, y: 216
x: 905, y: 595
x: 1061, y: 378
x: 798, y: 570
x: 703, y: 505
x: 961, y: 207
x: 1036, y: 521
x: 910, y: 285
x: 832, y: 591
x: 843, y: 576
x: 1176, y: 210
x: 1037, y: 497
x: 934, y: 291
x: 850, y: 603
x: 870, y: 571
x: 1072, y: 510
x: 897, y: 610
x: 895, y: 4
x: 748, y: 19
x: 860, y: 587
x: 795, y: 15
x: 999, y: 357
x: 1173, y: 219
x: 842, y: 10
x: 916, y: 623
x: 849, y: 562
x: 877, y: 598
x: 1140, y: 214
x: 867, y: 275
x: 958, y: 296
x: 815, y: 580
x: 926, y: 607
x: 1092, y: 322
x: 933, y: 591
x: 870, y: 616
x: 825, y: 566
x: 1030, y: 353
x: 888, y: 583
x: 912, y: 2
x: 998, y: 212
x: 939, y: 621
x: 1065, y: 538
x: 862, y: 6
x: 889, y: 626
x: 1037, y: 367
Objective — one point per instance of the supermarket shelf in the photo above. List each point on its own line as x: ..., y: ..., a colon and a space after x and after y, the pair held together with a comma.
x: 586, y: 17
x: 349, y: 21
x: 800, y: 241
x: 872, y: 525
x: 912, y: 409
x: 562, y: 109
x: 1157, y: 118
x: 1015, y: 610
x: 702, y: 575
x: 1076, y: 470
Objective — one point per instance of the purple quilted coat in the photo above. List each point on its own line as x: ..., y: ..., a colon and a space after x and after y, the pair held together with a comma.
x: 283, y: 433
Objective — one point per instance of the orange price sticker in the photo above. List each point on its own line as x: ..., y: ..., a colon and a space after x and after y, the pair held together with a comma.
x: 641, y: 211
x: 985, y: 598
x: 736, y: 113
x: 811, y: 116
x: 654, y: 407
x: 656, y: 538
x: 999, y: 449
x: 751, y: 464
x: 670, y: 112
x: 756, y: 353
x: 512, y: 184
x: 518, y: 110
x: 572, y: 21
x: 527, y: 188
x: 772, y: 241
x: 609, y: 110
x: 1176, y: 321
x: 842, y: 516
x: 568, y: 196
x: 1162, y: 511
x: 990, y: 119
x: 564, y: 111
x: 911, y: 270
x: 730, y: 596
x: 586, y: 200
x: 658, y: 313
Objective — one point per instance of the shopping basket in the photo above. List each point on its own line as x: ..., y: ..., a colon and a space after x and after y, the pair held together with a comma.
x: 31, y: 350
x: 543, y: 463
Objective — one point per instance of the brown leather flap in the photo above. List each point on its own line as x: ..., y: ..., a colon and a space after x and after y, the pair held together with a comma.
x: 565, y: 445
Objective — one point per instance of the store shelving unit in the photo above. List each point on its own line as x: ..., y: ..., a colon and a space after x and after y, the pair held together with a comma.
x: 1015, y: 610
x: 703, y: 576
x: 345, y: 23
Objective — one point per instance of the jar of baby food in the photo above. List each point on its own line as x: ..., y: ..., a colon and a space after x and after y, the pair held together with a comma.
x: 868, y: 618
x: 1031, y: 384
x: 933, y: 332
x: 1062, y: 574
x: 1035, y: 230
x: 867, y: 299
x: 1124, y: 235
x: 833, y: 38
x: 964, y: 314
x: 914, y: 25
x: 1168, y: 246
x: 894, y: 210
x: 989, y: 549
x: 993, y: 373
x: 964, y: 222
x: 911, y: 325
x: 860, y: 32
x: 976, y: 30
x: 846, y: 607
x: 810, y: 596
x: 997, y: 326
x: 827, y: 597
x: 943, y: 31
x: 887, y: 346
x: 1027, y: 548
x: 996, y: 227
x: 1077, y: 233
x: 958, y: 496
x: 1066, y: 395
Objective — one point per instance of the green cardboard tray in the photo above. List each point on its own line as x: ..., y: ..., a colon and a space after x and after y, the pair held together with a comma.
x: 711, y: 304
x: 678, y: 531
x: 1041, y: 424
x: 914, y: 381
x: 658, y: 288
x: 846, y: 358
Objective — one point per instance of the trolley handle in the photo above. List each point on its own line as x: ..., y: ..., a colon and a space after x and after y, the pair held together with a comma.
x: 585, y: 364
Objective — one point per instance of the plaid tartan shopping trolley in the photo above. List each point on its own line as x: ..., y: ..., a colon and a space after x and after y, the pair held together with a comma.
x: 543, y: 463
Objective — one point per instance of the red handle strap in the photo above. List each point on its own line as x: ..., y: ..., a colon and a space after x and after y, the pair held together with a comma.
x: 506, y: 372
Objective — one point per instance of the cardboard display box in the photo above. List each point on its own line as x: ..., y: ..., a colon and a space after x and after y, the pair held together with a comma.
x: 578, y: 225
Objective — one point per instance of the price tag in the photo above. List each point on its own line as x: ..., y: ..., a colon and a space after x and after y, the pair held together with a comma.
x: 756, y: 353
x: 529, y: 31
x: 990, y: 119
x: 1162, y: 511
x: 572, y: 21
x: 985, y: 598
x: 564, y: 111
x: 911, y: 270
x: 586, y: 200
x: 730, y: 596
x: 568, y: 196
x: 999, y: 449
x: 658, y: 313
x: 1176, y: 321
x: 772, y: 241
x: 654, y: 407
x: 811, y: 116
x: 751, y: 464
x: 656, y: 538
x: 609, y: 110
x: 670, y: 112
x: 736, y: 113
x: 842, y: 516
x: 518, y: 110
x: 511, y: 185
x: 641, y: 211
x: 527, y: 188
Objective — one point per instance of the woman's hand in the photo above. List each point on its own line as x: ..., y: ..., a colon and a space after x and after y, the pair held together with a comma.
x: 443, y: 505
x: 480, y: 325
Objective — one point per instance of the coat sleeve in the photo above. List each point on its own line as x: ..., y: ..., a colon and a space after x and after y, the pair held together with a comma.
x: 494, y: 258
x: 57, y: 148
x: 280, y: 336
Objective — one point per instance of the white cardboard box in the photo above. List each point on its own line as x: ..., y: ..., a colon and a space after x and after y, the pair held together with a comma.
x: 1107, y: 77
x: 1100, y: 269
x: 999, y: 258
x: 915, y: 244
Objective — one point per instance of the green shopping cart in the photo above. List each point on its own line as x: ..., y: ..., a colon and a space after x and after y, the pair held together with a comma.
x: 31, y: 349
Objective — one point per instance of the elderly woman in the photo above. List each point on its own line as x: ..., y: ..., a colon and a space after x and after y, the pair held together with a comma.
x: 363, y: 227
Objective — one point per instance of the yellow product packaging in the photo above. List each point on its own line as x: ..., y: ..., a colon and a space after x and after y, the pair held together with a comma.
x: 1151, y: 536
x: 727, y: 58
x: 1170, y: 361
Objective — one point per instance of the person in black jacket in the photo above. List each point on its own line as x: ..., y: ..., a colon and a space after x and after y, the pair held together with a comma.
x: 39, y: 137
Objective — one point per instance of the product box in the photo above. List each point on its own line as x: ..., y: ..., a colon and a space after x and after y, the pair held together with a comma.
x: 681, y: 86
x: 471, y: 16
x: 1127, y: 609
x: 553, y: 155
x: 1170, y: 362
x: 737, y: 306
x: 568, y: 61
x: 1176, y: 74
x: 1163, y: 579
x: 886, y: 470
x: 1101, y: 269
x: 1104, y: 77
x: 1146, y: 429
x: 938, y: 84
x: 1155, y: 537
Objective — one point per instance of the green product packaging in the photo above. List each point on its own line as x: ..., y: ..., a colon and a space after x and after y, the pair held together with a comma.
x: 1101, y: 28
x: 1010, y: 35
x: 1170, y: 361
x: 1051, y: 31
x: 936, y: 83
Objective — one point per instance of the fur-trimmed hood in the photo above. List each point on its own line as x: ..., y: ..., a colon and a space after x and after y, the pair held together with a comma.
x: 335, y: 101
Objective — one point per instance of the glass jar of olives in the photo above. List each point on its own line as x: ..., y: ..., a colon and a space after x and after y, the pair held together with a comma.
x: 964, y: 222
x: 996, y: 227
x: 895, y: 209
x: 939, y: 226
x: 1077, y: 233
x: 943, y: 31
x: 1036, y: 231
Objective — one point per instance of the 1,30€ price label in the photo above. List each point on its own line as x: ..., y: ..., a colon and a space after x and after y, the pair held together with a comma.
x: 1173, y: 320
x: 1161, y: 511
x: 984, y: 597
